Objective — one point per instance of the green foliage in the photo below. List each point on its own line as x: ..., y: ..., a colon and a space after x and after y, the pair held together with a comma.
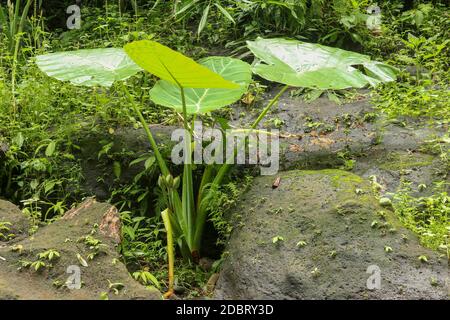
x: 314, y: 66
x: 419, y: 47
x: 146, y: 278
x: 426, y: 216
x: 221, y: 201
x: 206, y: 100
x: 5, y: 228
x: 50, y: 255
x: 13, y: 17
x: 192, y: 8
x: 401, y: 99
x: 89, y: 67
x: 142, y: 240
x: 174, y: 67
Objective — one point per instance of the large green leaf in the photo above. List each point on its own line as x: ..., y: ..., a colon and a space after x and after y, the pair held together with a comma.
x: 89, y: 67
x: 200, y: 100
x: 174, y: 67
x: 301, y: 64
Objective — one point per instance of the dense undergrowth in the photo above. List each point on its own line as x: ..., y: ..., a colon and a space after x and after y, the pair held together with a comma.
x: 42, y: 120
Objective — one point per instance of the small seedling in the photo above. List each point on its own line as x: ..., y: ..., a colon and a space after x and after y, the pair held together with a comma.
x: 277, y: 239
x: 146, y: 278
x: 301, y: 243
x: 423, y: 258
x: 104, y: 296
x: 422, y: 187
x: 374, y: 224
x: 115, y: 287
x: 387, y: 249
x: 381, y: 214
x: 23, y: 264
x: 316, y: 272
x: 38, y: 265
x: 17, y: 248
x: 4, y: 231
x: 92, y: 242
x: 82, y: 261
x: 433, y: 281
x: 58, y: 283
x: 50, y: 255
x: 332, y: 254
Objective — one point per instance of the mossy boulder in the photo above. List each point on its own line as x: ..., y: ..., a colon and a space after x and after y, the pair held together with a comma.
x: 85, y: 239
x: 315, y: 236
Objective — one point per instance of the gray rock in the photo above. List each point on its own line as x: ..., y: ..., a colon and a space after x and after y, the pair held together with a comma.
x: 332, y: 212
x: 67, y: 236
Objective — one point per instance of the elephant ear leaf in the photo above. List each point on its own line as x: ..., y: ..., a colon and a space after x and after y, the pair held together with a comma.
x: 174, y: 67
x: 200, y: 100
x: 88, y: 67
x: 302, y: 64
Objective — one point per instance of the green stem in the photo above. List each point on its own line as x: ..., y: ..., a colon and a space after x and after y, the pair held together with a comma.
x: 223, y: 171
x: 161, y: 163
x: 170, y: 252
x: 188, y: 185
x: 225, y: 167
x: 16, y: 51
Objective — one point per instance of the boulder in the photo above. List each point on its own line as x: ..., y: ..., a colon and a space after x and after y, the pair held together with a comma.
x: 321, y: 133
x: 316, y: 236
x: 84, y: 240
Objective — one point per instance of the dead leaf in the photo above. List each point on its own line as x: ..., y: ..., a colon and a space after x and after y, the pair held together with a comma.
x: 248, y: 98
x: 296, y: 148
x: 276, y: 183
x: 323, y: 142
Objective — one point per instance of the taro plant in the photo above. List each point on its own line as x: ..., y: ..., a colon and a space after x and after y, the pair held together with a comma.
x: 190, y: 88
x: 193, y: 88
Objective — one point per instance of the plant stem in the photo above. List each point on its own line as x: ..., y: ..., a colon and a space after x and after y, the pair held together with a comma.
x: 187, y: 195
x: 17, y: 35
x: 269, y: 105
x: 223, y: 171
x: 170, y: 252
x: 161, y: 163
x: 225, y: 167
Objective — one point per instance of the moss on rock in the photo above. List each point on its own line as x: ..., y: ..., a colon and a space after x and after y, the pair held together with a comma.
x: 329, y: 240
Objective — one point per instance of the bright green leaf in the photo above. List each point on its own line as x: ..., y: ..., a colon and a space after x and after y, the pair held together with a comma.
x: 225, y: 12
x: 50, y: 149
x: 204, y: 100
x: 301, y: 64
x: 149, y: 162
x: 117, y: 169
x: 89, y: 67
x: 174, y: 67
x: 203, y: 20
